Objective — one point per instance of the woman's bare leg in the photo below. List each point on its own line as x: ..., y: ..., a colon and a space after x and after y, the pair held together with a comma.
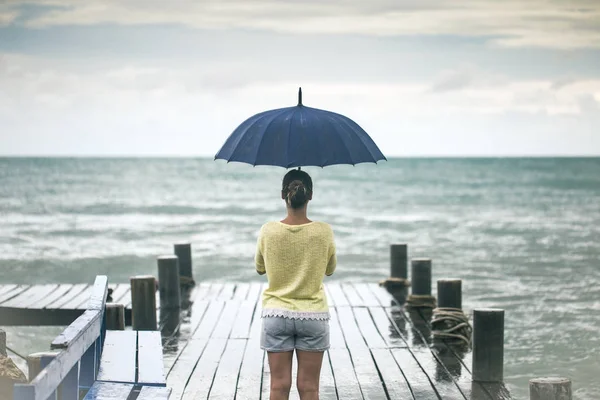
x: 280, y: 365
x: 309, y: 371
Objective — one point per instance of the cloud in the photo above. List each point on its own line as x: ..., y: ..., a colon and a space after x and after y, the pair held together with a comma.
x: 47, y: 107
x: 511, y: 23
x: 453, y: 80
x: 7, y: 17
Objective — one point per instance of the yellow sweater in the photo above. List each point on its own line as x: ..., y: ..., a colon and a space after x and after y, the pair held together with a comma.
x: 295, y: 258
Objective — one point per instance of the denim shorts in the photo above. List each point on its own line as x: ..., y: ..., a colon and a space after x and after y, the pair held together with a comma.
x: 285, y: 334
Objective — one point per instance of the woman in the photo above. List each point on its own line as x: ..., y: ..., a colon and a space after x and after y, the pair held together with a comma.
x: 296, y: 254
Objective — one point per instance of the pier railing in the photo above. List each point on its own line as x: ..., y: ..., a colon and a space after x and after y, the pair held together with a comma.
x: 75, y: 364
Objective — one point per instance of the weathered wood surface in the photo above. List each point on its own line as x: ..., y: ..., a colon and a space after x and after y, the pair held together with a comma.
x: 378, y: 349
x: 82, y: 334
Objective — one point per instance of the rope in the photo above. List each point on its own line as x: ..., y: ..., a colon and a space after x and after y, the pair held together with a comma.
x: 186, y: 282
x: 15, y: 353
x: 394, y: 283
x: 451, y: 323
x: 420, y: 301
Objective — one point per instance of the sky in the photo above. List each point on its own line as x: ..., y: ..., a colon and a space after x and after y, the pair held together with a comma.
x: 422, y: 77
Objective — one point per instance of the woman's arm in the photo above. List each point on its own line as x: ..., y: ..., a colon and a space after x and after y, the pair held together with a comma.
x: 259, y: 260
x: 332, y: 263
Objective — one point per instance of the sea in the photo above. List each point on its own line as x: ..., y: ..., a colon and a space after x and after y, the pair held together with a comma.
x: 522, y: 233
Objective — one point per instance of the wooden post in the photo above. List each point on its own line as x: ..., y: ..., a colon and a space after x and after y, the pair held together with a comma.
x: 3, y: 343
x: 115, y: 317
x: 488, y: 345
x: 421, y: 276
x: 183, y: 251
x: 449, y: 293
x: 168, y: 283
x: 550, y: 388
x: 399, y: 261
x: 143, y: 303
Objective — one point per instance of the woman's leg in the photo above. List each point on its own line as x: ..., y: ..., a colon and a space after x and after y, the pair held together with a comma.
x: 309, y: 371
x: 280, y: 364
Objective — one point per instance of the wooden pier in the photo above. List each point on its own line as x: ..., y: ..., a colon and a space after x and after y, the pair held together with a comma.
x: 53, y: 304
x: 379, y: 350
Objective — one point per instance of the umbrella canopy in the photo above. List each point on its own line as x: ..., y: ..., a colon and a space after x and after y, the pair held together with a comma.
x: 299, y: 136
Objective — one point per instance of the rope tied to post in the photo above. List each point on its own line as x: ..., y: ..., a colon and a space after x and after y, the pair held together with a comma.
x: 186, y: 282
x: 421, y: 301
x: 452, y: 324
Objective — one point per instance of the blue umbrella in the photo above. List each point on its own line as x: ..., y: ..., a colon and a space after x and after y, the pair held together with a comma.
x: 299, y: 136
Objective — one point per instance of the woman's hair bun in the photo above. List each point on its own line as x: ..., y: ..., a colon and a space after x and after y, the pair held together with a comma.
x: 296, y: 188
x: 297, y: 194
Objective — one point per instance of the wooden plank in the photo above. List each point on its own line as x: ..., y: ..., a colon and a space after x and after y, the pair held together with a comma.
x: 335, y: 290
x: 226, y: 320
x: 444, y: 384
x: 182, y: 369
x: 59, y: 293
x: 187, y: 330
x: 202, y: 378
x: 336, y: 337
x: 241, y: 291
x: 327, y: 383
x: 346, y: 381
x: 214, y: 291
x: 417, y: 379
x: 209, y: 321
x: 364, y: 367
x: 74, y: 292
x: 255, y: 291
x: 118, y: 362
x: 381, y: 294
x: 78, y: 301
x: 33, y: 295
x: 352, y: 335
x: 353, y: 298
x: 394, y: 381
x: 368, y: 298
x: 225, y: 382
x: 389, y: 331
x: 249, y: 381
x: 150, y: 359
x: 328, y: 296
x: 86, y: 326
x: 199, y: 292
x: 7, y: 288
x: 99, y: 291
x: 204, y: 316
x: 108, y: 391
x: 78, y: 337
x: 367, y: 374
x: 256, y: 325
x: 227, y: 292
x: 21, y: 290
x: 241, y: 327
x: 154, y: 393
x: 367, y: 327
x: 121, y: 293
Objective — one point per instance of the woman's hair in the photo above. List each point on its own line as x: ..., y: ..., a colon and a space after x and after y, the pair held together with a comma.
x: 296, y: 188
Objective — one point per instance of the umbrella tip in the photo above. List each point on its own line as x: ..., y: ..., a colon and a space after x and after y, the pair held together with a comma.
x: 300, y: 96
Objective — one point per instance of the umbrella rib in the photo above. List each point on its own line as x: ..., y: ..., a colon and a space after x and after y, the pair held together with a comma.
x: 287, y: 150
x: 260, y: 142
x: 341, y: 139
x: 353, y: 129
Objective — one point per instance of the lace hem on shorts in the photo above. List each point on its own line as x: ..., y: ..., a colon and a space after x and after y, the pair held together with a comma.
x: 273, y: 312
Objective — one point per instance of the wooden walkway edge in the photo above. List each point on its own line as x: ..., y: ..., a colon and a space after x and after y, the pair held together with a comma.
x: 379, y: 350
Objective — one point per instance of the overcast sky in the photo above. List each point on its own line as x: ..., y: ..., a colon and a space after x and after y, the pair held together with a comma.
x: 123, y: 77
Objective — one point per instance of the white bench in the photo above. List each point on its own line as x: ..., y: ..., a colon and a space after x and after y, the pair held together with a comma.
x: 132, y: 357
